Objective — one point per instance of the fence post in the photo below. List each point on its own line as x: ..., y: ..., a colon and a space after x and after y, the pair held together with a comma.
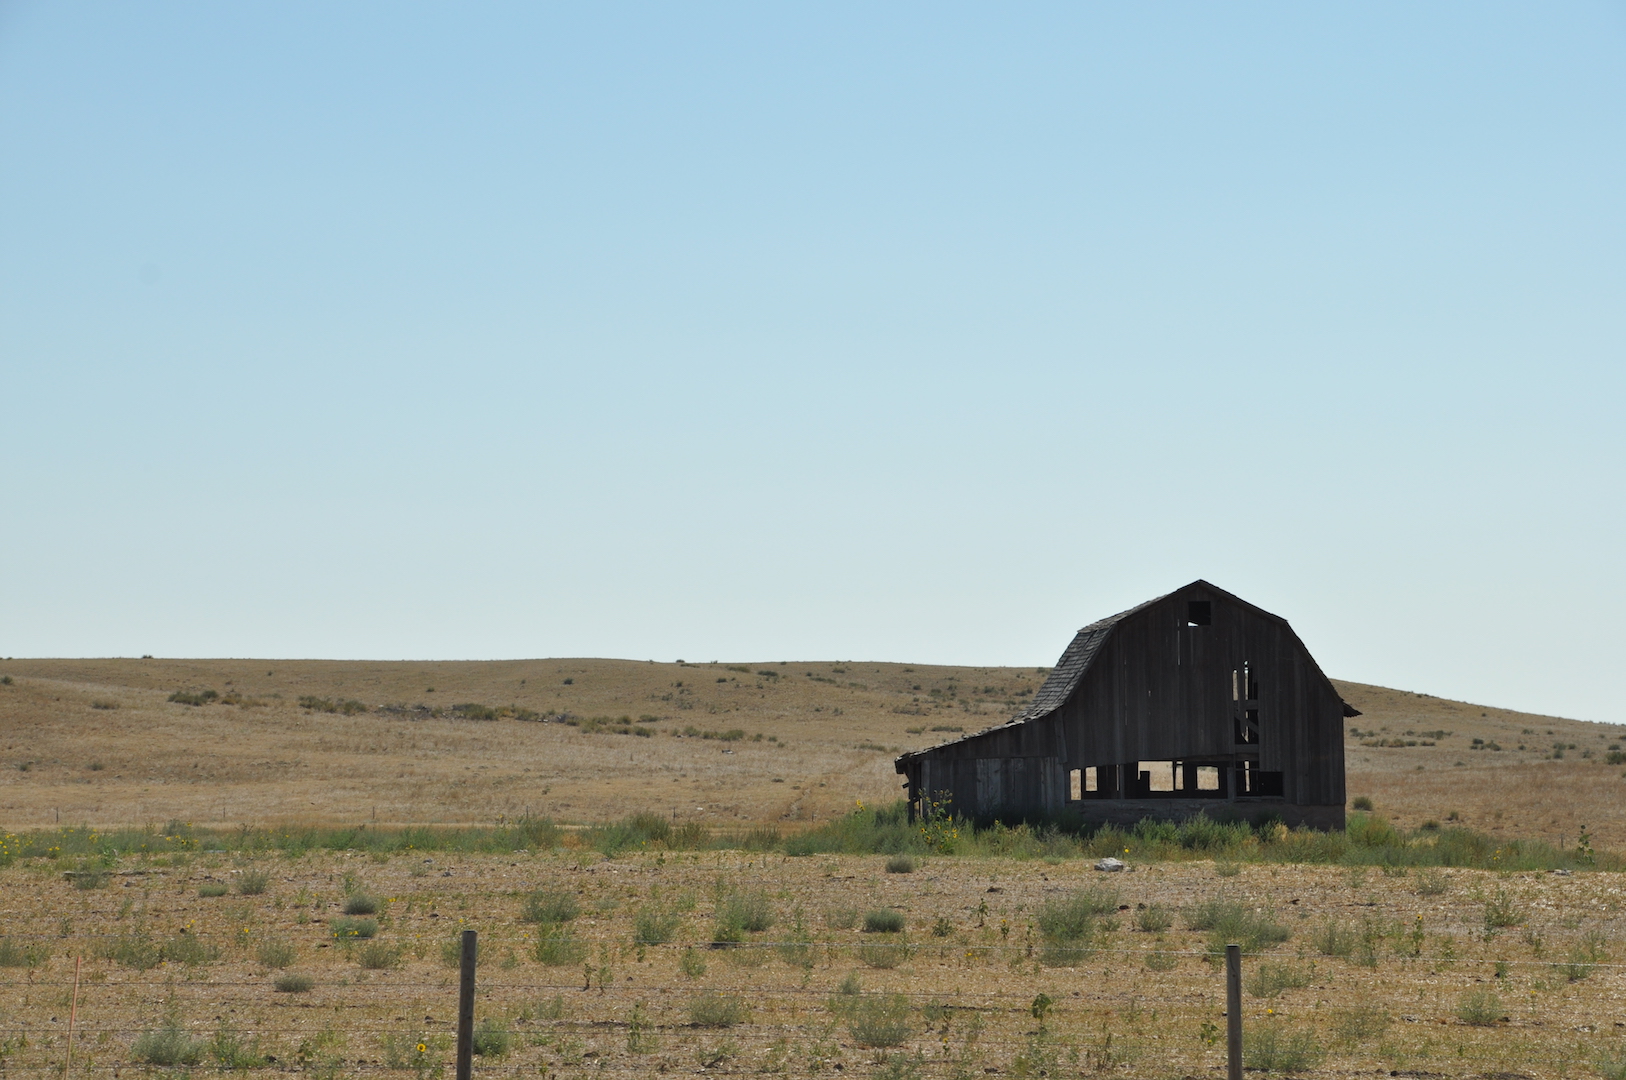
x: 465, y: 1009
x: 1233, y: 1012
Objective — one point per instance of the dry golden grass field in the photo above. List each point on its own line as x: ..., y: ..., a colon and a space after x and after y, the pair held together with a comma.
x: 97, y: 742
x: 1028, y: 964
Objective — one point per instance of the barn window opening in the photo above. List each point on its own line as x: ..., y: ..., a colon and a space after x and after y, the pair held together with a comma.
x: 1156, y: 775
x: 1208, y: 778
x: 1075, y: 785
x: 1199, y: 613
x: 1092, y: 779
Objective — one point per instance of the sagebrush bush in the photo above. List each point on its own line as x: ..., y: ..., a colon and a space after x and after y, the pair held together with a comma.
x: 252, y: 882
x: 557, y: 945
x: 1480, y: 1007
x: 1071, y: 925
x: 900, y: 864
x: 1228, y: 922
x: 550, y: 906
x: 361, y: 903
x: 1269, y: 980
x: 290, y: 982
x: 276, y: 953
x: 883, y: 921
x: 1271, y: 1048
x: 491, y: 1038
x: 189, y: 949
x: 1333, y: 938
x: 348, y: 929
x: 692, y: 963
x: 212, y: 889
x: 884, y: 954
x: 1154, y: 918
x: 712, y: 1010
x: 738, y: 913
x: 655, y: 926
x: 879, y: 1020
x: 843, y: 918
x: 23, y: 956
x: 132, y: 950
x: 171, y: 1046
x: 378, y: 956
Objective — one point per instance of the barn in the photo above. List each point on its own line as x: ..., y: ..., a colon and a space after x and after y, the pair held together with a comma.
x: 1196, y: 701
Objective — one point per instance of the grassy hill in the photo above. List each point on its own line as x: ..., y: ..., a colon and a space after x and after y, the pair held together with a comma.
x: 102, y: 742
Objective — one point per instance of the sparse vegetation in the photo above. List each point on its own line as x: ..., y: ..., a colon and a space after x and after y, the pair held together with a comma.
x: 290, y: 982
x: 550, y: 906
x: 1480, y: 1008
x: 712, y: 1010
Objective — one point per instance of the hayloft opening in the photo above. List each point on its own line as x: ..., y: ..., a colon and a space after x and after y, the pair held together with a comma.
x: 1199, y: 613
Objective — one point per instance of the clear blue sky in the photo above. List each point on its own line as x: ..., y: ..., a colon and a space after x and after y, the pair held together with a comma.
x: 908, y: 332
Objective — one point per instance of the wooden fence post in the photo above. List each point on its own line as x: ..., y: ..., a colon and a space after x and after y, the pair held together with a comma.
x: 465, y: 1009
x: 1233, y: 1012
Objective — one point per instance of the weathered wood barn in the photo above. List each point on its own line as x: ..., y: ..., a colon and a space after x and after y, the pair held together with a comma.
x: 1194, y: 701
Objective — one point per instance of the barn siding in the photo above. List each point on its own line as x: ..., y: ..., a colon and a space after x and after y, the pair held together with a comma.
x: 1156, y: 689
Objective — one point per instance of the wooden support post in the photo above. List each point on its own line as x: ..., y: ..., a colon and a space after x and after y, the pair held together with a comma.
x: 73, y: 1014
x: 1233, y: 1012
x: 465, y: 1009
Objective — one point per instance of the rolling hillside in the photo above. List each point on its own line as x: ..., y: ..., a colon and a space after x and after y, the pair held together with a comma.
x: 100, y: 742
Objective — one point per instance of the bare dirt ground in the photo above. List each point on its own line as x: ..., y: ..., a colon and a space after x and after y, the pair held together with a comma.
x: 96, y: 741
x: 1426, y: 974
x: 1419, y: 985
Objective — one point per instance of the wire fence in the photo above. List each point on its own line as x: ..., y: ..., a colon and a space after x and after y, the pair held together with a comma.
x: 799, y: 1007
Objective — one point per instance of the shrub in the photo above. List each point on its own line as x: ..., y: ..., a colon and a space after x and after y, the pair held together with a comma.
x: 229, y: 1052
x: 1154, y: 919
x: 346, y: 929
x: 883, y: 921
x: 135, y: 950
x: 879, y: 1020
x: 1360, y: 1022
x: 87, y: 878
x: 1270, y: 1048
x: 290, y: 982
x: 212, y: 888
x: 361, y: 903
x: 1501, y: 910
x: 190, y: 950
x: 900, y: 864
x: 1333, y: 938
x: 252, y: 882
x: 171, y: 1046
x: 1479, y: 1007
x: 558, y: 946
x: 451, y: 951
x: 202, y: 697
x: 1431, y: 882
x: 378, y: 956
x: 22, y: 956
x: 1584, y: 958
x: 841, y: 918
x: 1269, y: 980
x: 692, y: 964
x: 653, y: 926
x: 747, y: 911
x: 1229, y: 922
x: 550, y: 906
x: 1069, y: 926
x: 1361, y: 802
x: 884, y: 954
x: 276, y: 953
x: 712, y: 1010
x: 491, y: 1038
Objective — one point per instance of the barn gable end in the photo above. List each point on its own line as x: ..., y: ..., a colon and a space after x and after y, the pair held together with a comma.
x: 1193, y: 701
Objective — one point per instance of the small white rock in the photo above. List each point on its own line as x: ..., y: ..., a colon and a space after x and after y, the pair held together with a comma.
x: 1110, y: 865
